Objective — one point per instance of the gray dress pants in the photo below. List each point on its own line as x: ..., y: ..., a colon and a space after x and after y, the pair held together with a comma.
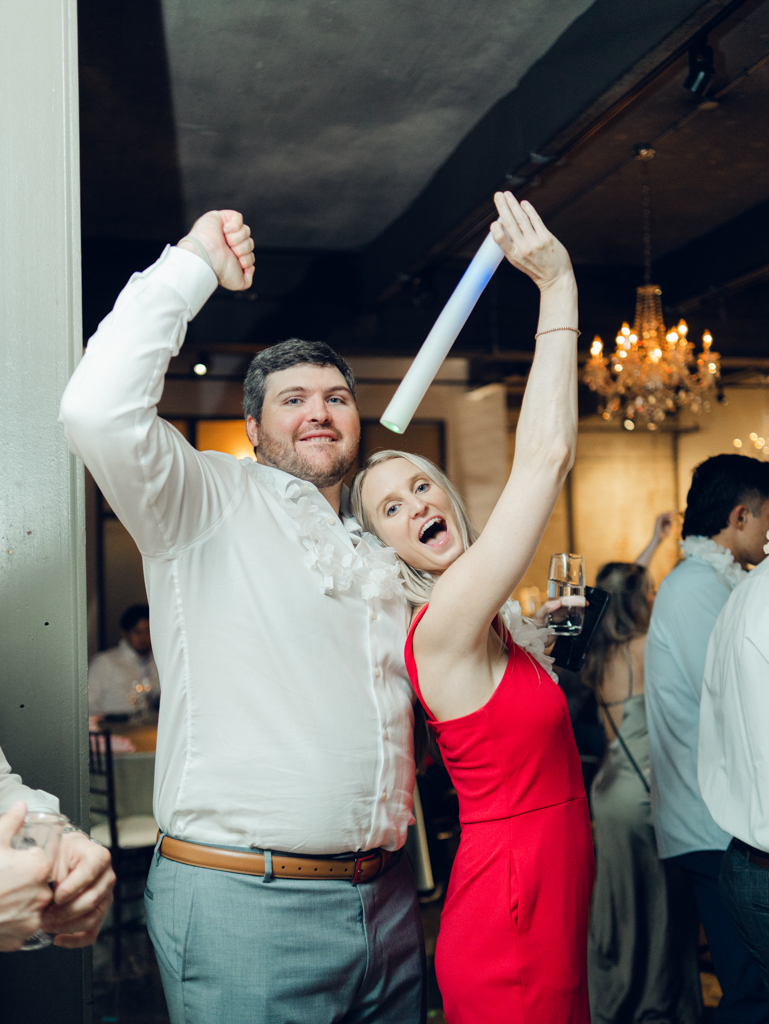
x: 234, y: 949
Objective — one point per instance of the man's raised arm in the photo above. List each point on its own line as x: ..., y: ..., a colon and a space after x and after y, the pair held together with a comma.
x: 109, y: 408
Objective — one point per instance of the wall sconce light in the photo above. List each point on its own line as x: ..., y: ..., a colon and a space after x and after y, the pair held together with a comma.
x: 200, y: 366
x: 701, y: 70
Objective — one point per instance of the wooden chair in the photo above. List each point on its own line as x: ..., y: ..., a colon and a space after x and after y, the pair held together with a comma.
x: 130, y: 840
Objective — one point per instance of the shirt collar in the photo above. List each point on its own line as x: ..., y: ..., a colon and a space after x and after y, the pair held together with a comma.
x: 280, y: 481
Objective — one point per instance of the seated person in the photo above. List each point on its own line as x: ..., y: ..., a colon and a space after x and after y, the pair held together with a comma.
x: 123, y: 681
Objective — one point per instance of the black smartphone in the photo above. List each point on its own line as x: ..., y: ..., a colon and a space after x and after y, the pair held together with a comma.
x: 570, y: 651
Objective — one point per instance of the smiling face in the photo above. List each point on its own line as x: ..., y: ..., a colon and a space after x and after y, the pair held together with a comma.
x: 412, y: 514
x: 309, y: 425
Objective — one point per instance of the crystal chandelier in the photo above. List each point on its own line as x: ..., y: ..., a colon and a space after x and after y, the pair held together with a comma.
x: 652, y: 372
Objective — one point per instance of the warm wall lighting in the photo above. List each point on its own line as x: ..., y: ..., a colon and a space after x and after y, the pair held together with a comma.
x: 737, y: 443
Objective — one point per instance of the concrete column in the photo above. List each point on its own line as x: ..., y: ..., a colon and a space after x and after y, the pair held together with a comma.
x: 42, y: 533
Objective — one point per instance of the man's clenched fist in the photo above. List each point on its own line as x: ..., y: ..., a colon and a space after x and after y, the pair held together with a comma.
x: 229, y: 245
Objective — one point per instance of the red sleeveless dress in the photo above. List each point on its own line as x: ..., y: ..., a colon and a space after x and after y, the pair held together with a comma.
x: 513, y: 939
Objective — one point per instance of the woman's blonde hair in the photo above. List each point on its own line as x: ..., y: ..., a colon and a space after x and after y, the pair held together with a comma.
x: 418, y: 584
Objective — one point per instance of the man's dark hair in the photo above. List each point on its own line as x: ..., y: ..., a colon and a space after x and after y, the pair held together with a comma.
x: 718, y: 485
x: 132, y: 615
x: 282, y: 356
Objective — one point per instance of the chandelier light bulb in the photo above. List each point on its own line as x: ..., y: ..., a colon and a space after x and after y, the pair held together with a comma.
x: 683, y: 328
x: 737, y: 443
x: 597, y: 347
x: 625, y: 329
x: 753, y: 437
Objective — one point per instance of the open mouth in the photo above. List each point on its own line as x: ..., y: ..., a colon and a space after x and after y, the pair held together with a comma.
x: 434, y: 533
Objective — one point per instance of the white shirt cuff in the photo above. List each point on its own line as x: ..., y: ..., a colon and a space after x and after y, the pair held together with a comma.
x: 187, y: 274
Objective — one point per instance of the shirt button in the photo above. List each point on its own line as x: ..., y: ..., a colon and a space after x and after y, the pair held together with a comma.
x: 384, y: 795
x: 373, y: 616
x: 331, y: 520
x: 386, y: 733
x: 378, y: 673
x: 307, y: 487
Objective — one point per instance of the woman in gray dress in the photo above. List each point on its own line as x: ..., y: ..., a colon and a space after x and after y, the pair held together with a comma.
x: 642, y: 943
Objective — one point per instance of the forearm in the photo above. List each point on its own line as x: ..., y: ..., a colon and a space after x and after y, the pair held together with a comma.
x: 109, y: 408
x: 648, y: 552
x: 547, y: 426
x: 115, y: 390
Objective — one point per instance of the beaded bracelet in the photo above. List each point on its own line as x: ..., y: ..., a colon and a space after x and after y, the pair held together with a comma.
x: 550, y: 330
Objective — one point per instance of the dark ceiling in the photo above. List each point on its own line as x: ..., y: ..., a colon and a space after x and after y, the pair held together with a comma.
x: 363, y: 143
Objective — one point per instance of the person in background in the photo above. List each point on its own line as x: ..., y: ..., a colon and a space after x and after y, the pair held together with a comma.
x: 642, y: 942
x: 124, y: 680
x: 733, y: 748
x: 84, y: 876
x: 725, y: 525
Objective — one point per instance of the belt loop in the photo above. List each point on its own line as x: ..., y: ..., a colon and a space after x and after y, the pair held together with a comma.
x: 268, y: 875
x: 156, y: 852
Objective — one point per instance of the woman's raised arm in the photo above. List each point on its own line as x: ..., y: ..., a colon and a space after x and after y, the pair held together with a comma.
x: 470, y: 593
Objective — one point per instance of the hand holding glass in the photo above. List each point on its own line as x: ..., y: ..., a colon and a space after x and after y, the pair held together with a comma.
x: 41, y: 830
x: 566, y: 582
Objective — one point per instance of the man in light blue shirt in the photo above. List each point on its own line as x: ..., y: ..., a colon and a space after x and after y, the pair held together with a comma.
x: 724, y: 531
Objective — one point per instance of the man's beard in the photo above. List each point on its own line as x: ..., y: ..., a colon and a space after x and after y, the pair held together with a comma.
x: 282, y: 454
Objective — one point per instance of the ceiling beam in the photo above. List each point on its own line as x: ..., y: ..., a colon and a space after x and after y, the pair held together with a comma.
x: 600, y: 58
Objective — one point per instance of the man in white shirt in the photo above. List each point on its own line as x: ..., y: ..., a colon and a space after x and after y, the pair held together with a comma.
x: 725, y: 524
x: 285, y: 765
x: 84, y: 879
x: 734, y: 754
x: 124, y: 680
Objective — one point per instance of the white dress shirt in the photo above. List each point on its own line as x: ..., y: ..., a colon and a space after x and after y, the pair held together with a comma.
x: 13, y: 789
x: 685, y: 611
x: 120, y: 680
x: 734, y: 718
x: 286, y: 721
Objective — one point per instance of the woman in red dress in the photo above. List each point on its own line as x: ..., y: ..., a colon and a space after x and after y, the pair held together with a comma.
x: 512, y: 945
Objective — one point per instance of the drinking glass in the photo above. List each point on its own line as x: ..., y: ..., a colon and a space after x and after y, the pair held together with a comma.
x: 43, y: 830
x: 566, y: 580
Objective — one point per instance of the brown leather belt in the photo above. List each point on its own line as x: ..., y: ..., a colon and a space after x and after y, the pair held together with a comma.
x: 758, y: 857
x: 363, y: 868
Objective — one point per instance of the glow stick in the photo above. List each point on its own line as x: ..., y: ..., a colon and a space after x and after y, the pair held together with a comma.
x: 438, y: 342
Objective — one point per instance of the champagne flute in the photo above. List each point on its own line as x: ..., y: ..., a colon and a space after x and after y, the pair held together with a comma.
x: 566, y: 582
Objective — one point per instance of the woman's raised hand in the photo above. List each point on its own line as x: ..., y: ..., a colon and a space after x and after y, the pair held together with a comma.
x: 527, y: 243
